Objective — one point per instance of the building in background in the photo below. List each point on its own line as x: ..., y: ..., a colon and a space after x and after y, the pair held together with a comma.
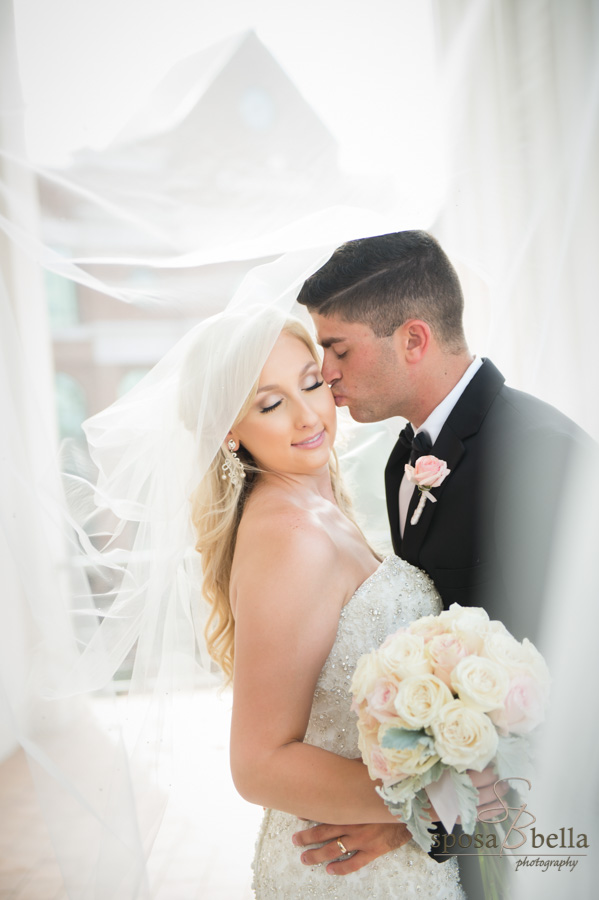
x: 226, y: 149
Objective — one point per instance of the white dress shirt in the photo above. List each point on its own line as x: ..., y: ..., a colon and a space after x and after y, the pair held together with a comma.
x: 432, y: 426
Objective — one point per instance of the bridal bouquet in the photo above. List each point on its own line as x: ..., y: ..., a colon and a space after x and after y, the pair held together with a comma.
x: 448, y: 693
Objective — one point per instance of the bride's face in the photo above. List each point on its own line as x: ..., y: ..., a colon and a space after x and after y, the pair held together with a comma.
x: 291, y: 425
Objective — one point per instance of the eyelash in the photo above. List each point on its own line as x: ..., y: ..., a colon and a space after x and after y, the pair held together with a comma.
x: 268, y: 409
x: 312, y: 387
x: 340, y: 355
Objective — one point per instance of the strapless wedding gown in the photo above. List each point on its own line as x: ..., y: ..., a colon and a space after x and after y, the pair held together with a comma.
x: 395, y: 595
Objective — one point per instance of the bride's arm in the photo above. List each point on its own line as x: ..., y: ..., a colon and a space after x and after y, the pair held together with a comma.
x: 289, y: 591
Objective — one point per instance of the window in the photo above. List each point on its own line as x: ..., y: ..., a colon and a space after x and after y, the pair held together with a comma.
x: 63, y: 308
x: 71, y: 405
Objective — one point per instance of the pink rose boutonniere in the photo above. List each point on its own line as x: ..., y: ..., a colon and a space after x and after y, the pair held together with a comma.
x: 429, y: 472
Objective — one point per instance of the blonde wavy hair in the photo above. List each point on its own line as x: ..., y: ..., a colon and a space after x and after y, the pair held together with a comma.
x: 217, y: 507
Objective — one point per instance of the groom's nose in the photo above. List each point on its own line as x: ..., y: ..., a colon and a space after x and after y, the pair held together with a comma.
x: 330, y: 370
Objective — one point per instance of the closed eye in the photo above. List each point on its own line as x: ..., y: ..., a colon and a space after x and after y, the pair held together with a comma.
x: 267, y: 409
x: 312, y: 387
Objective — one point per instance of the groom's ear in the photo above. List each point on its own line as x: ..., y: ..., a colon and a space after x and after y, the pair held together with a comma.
x: 412, y: 339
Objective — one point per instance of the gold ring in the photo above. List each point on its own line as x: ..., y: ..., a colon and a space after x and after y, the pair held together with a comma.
x: 341, y: 847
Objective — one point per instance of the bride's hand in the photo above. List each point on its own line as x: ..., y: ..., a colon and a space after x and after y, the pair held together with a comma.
x: 364, y: 842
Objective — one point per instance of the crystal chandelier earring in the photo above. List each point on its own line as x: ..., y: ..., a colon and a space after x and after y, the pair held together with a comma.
x: 233, y: 468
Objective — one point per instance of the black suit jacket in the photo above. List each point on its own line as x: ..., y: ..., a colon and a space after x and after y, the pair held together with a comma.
x: 488, y: 539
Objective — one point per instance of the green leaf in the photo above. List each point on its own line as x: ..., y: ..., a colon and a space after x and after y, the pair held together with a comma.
x: 467, y: 796
x: 432, y: 774
x: 402, y: 739
x: 415, y: 812
x: 420, y: 821
x: 399, y: 792
x: 513, y: 757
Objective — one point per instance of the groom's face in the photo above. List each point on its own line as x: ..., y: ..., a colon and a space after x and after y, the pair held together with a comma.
x: 364, y: 371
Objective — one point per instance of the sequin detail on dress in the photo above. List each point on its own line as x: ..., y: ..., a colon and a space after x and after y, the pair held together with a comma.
x: 395, y: 595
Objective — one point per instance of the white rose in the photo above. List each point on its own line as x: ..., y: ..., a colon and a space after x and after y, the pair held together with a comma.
x: 464, y: 738
x: 375, y: 760
x: 427, y: 627
x: 404, y: 655
x: 413, y: 760
x: 455, y: 613
x: 469, y: 624
x: 366, y: 674
x: 381, y: 700
x: 419, y: 700
x: 516, y: 658
x: 524, y: 706
x: 482, y: 684
x: 367, y: 724
x: 445, y: 651
x: 536, y: 663
x: 368, y: 729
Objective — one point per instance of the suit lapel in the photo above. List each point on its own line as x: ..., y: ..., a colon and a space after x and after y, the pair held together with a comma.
x: 464, y: 420
x: 394, y: 471
x: 450, y: 448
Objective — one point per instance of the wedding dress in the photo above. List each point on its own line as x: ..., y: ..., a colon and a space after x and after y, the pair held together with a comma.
x: 395, y: 595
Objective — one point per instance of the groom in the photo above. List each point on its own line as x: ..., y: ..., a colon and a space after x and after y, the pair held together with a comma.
x: 388, y: 312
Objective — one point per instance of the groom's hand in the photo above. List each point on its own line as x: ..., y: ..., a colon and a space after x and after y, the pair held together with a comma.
x: 490, y: 789
x: 365, y: 842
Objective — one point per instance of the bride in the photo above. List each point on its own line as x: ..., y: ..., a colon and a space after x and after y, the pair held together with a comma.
x: 296, y: 596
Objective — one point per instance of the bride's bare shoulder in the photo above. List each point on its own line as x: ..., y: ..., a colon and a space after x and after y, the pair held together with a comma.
x: 278, y: 529
x: 279, y: 517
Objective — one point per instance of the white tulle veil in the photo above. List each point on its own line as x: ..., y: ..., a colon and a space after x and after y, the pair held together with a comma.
x: 98, y: 561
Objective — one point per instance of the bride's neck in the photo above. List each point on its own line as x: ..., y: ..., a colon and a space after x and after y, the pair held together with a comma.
x: 318, y: 484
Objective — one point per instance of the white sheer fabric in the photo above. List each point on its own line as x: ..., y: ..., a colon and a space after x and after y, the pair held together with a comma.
x: 519, y: 86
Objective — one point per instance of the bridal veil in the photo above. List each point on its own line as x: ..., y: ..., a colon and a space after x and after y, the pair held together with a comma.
x: 98, y: 562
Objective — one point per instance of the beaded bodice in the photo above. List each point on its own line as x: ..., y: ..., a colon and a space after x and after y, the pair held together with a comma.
x: 392, y: 597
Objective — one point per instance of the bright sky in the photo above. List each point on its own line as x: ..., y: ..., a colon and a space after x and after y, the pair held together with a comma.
x: 366, y: 68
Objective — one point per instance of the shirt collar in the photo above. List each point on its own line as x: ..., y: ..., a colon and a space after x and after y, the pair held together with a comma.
x: 435, y: 422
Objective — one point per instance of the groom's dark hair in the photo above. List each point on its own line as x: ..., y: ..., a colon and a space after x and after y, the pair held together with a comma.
x: 385, y: 280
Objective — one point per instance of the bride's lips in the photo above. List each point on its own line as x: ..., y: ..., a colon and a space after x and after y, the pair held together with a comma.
x: 315, y: 441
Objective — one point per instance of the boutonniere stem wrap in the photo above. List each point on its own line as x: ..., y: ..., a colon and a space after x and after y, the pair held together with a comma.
x: 429, y: 472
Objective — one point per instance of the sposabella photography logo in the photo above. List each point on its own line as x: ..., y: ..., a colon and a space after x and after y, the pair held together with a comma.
x: 511, y: 832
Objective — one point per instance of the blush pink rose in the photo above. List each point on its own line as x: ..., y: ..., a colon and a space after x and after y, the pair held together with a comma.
x: 445, y: 651
x: 523, y: 708
x: 381, y: 700
x: 389, y: 639
x: 428, y: 472
x: 427, y: 627
x: 378, y: 767
x: 366, y: 723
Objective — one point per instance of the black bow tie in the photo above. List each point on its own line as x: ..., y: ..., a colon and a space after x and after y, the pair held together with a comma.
x: 420, y: 445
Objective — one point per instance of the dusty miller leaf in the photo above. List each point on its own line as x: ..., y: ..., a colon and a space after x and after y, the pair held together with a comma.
x: 396, y: 794
x: 403, y: 739
x: 467, y: 797
x: 419, y: 820
x: 432, y: 774
x: 513, y: 757
x: 399, y: 792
